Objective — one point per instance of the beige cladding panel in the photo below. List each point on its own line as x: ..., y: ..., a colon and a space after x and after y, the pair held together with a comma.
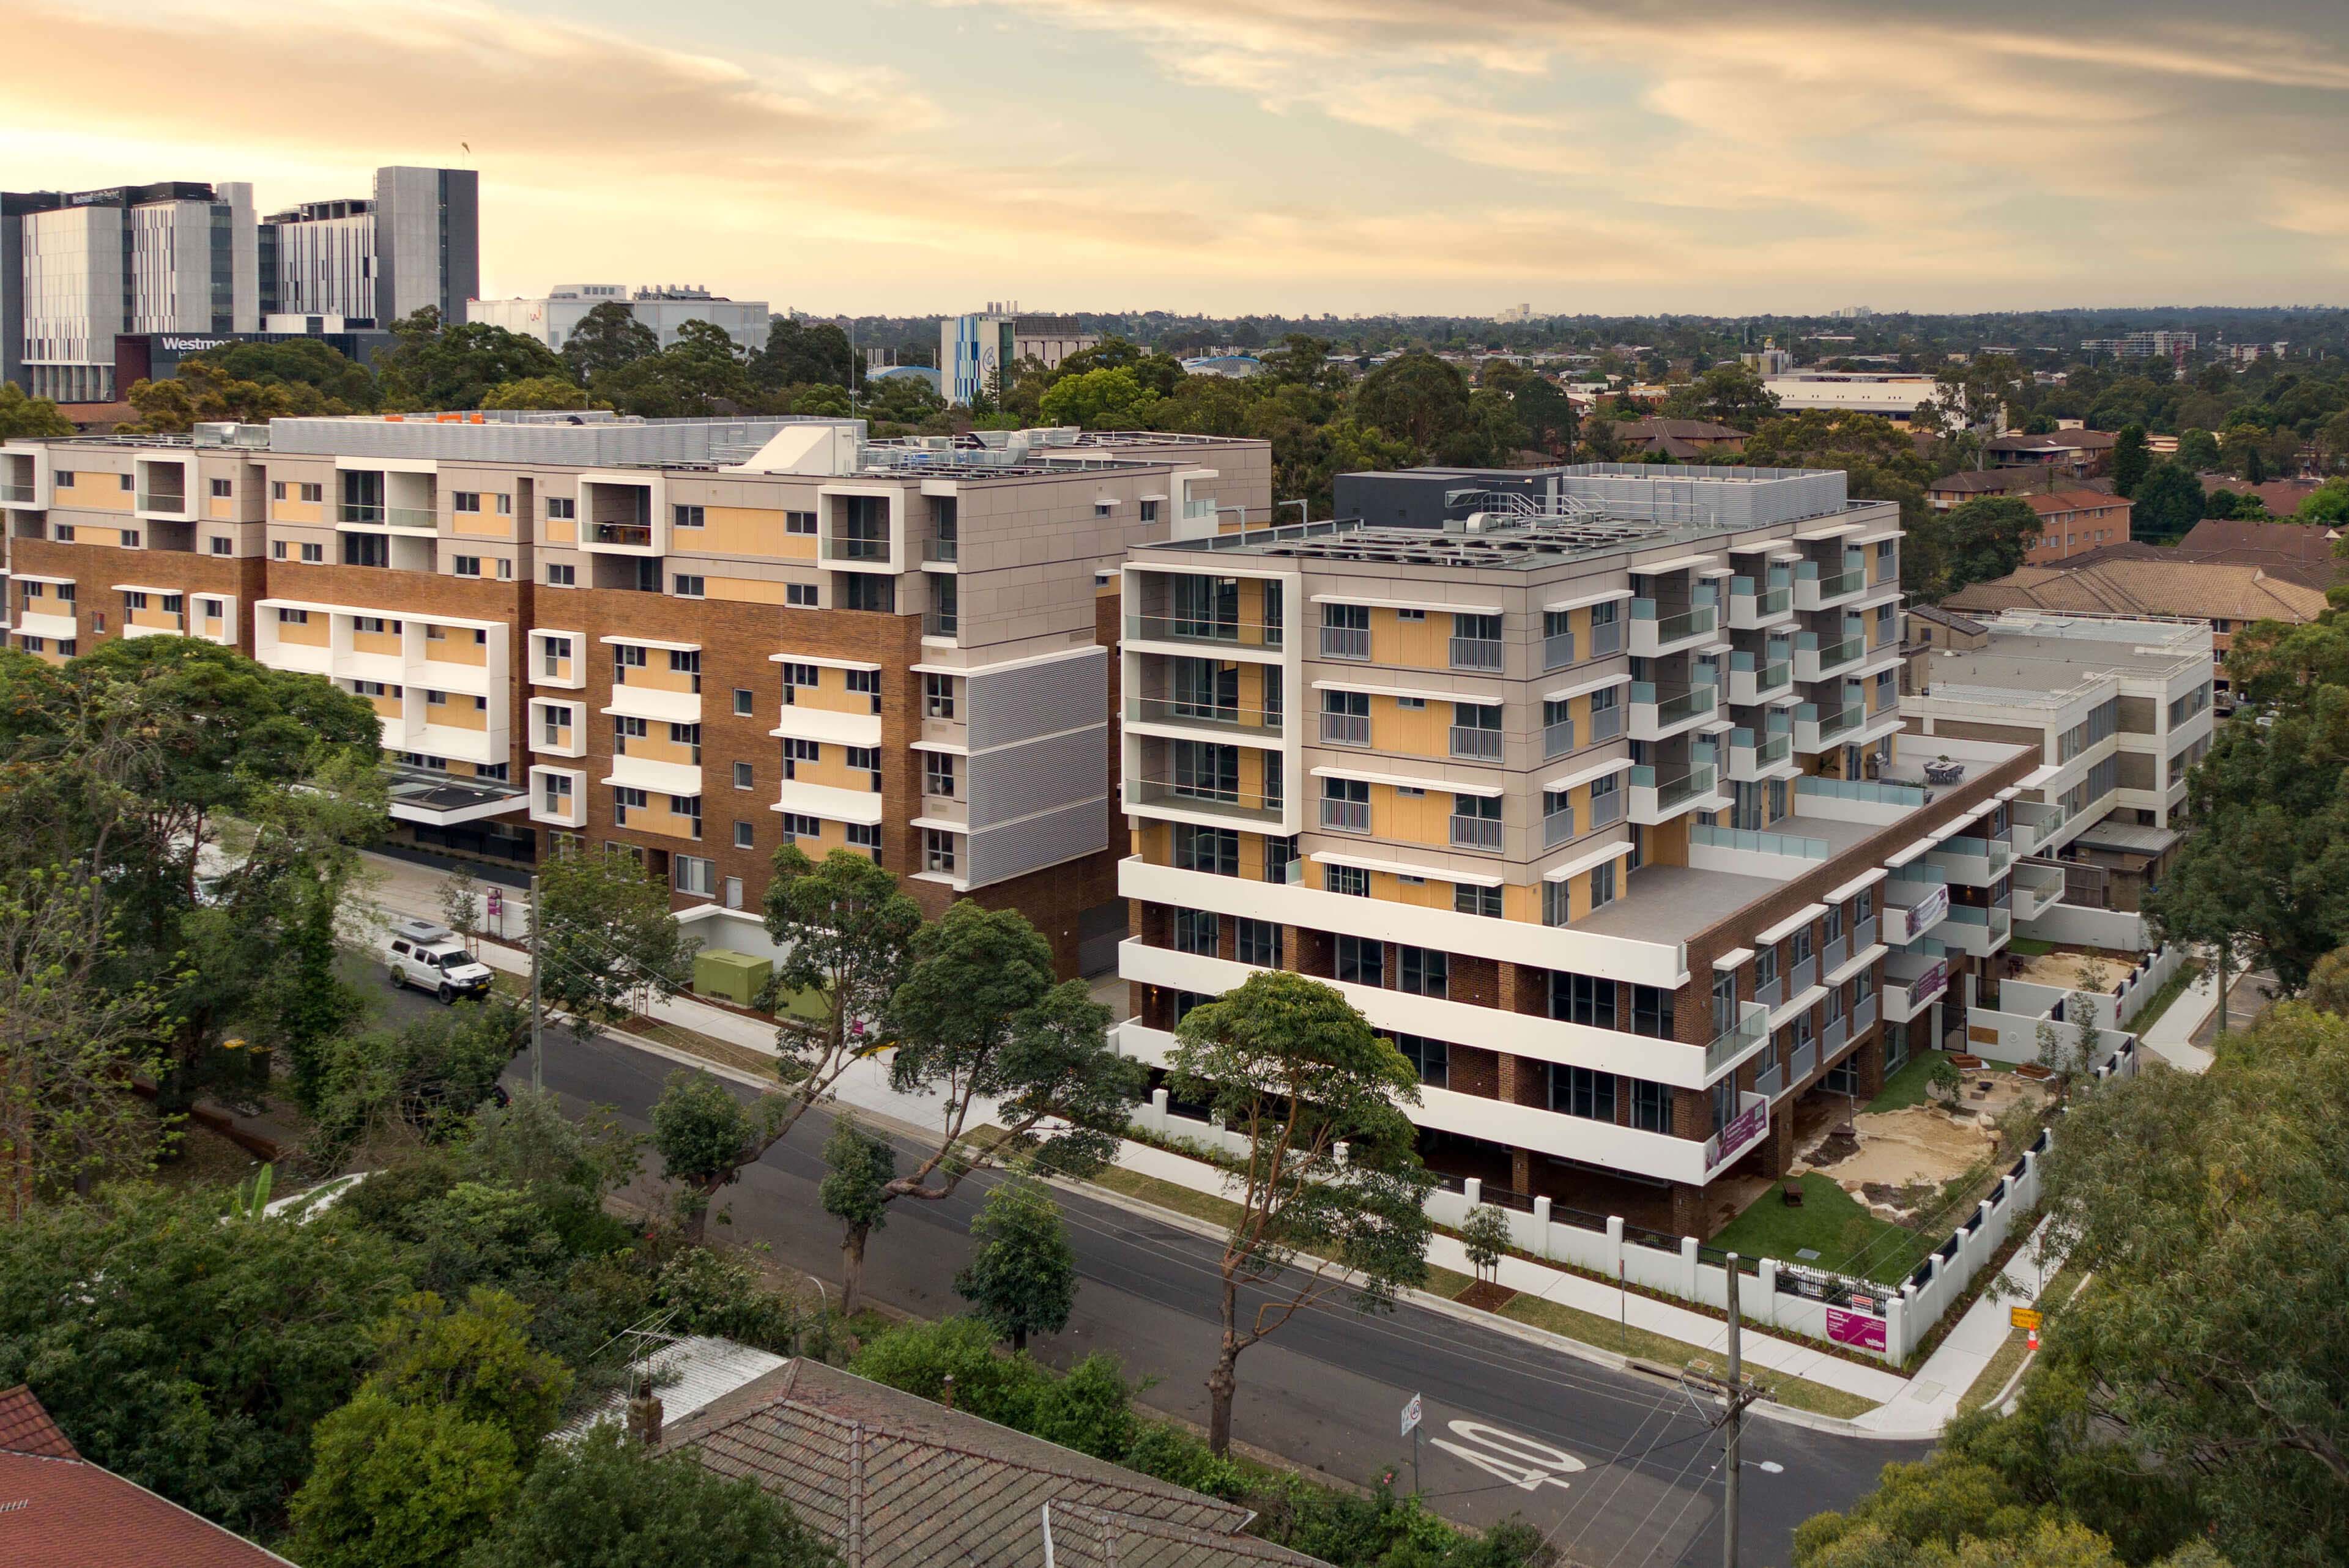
x: 455, y: 711
x: 455, y: 646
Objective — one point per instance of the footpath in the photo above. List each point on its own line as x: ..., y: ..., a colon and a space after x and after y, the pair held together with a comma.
x: 1908, y: 1408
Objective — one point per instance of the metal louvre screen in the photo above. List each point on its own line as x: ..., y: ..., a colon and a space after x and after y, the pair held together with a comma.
x: 1037, y: 841
x: 1016, y: 781
x: 1014, y: 705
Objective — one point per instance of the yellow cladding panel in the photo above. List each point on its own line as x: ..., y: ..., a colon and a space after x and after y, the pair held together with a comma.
x: 1421, y: 819
x: 214, y: 626
x: 1430, y: 893
x: 654, y: 673
x: 1423, y: 643
x: 315, y: 634
x: 561, y: 670
x: 562, y: 531
x: 655, y: 746
x: 86, y: 534
x: 482, y: 525
x: 456, y: 711
x: 95, y: 492
x: 454, y: 645
x: 385, y: 641
x: 656, y: 816
x: 831, y: 694
x: 832, y: 770
x: 298, y: 511
x: 386, y: 706
x: 1421, y: 731
x: 1668, y: 842
x: 48, y: 656
x: 749, y: 531
x: 222, y: 508
x: 743, y: 590
x: 163, y: 619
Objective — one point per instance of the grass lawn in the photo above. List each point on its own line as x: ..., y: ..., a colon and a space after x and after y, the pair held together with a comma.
x: 1906, y: 1087
x: 1609, y: 1335
x: 2172, y: 989
x: 2028, y: 947
x: 1831, y: 1223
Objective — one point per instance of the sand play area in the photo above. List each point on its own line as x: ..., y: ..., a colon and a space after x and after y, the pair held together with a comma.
x: 2072, y: 971
x: 1919, y: 1143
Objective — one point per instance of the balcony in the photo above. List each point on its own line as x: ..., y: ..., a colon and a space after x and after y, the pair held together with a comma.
x: 944, y: 624
x: 1729, y: 1047
x: 1770, y: 1081
x: 1557, y: 651
x: 1976, y: 932
x: 1925, y: 905
x: 1753, y: 680
x: 1912, y: 981
x: 1476, y: 832
x: 417, y: 519
x: 2037, y: 890
x: 626, y: 535
x: 2036, y: 825
x: 1752, y: 606
x: 1658, y: 712
x: 1804, y: 976
x: 1815, y: 730
x: 1820, y: 591
x: 1345, y: 729
x: 1655, y: 800
x: 1346, y: 643
x: 1235, y: 805
x: 1346, y: 816
x: 1973, y: 863
x: 174, y: 501
x: 945, y: 552
x: 1557, y: 828
x: 1201, y: 632
x: 1863, y: 1016
x: 1803, y: 1062
x: 859, y: 547
x: 26, y: 495
x: 1558, y: 739
x: 1472, y: 743
x: 1474, y: 653
x: 1653, y: 633
x: 1818, y: 661
x: 1746, y: 1129
x: 1755, y: 756
x: 1607, y: 809
x: 1207, y: 720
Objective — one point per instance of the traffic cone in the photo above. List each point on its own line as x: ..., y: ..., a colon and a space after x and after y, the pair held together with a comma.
x: 2035, y: 1342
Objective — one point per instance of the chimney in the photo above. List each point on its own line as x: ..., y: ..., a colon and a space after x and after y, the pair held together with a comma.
x: 645, y: 1414
x: 947, y: 1397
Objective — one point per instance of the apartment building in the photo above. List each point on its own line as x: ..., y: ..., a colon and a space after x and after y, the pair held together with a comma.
x: 2117, y: 710
x: 1587, y: 794
x: 694, y: 640
x: 2074, y: 522
x: 663, y: 310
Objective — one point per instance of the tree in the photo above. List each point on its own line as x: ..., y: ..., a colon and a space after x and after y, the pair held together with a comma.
x: 2198, y: 451
x: 1106, y: 399
x: 460, y: 902
x: 1022, y: 1274
x: 1485, y: 1238
x: 2131, y: 460
x: 539, y: 392
x: 401, y: 1486
x: 1942, y: 1079
x: 21, y: 415
x: 858, y: 1167
x: 607, y: 337
x: 706, y: 1136
x: 979, y: 1018
x: 1544, y: 415
x: 609, y: 946
x: 189, y: 1355
x: 1329, y: 1193
x: 1418, y: 399
x: 477, y: 1360
x: 1982, y: 540
x: 423, y: 1081
x: 2168, y: 502
x: 203, y: 392
x: 603, y: 1502
x: 431, y: 365
x: 1879, y: 461
x: 2326, y: 506
x: 1729, y: 395
x: 70, y: 1042
x: 799, y: 353
x: 303, y: 366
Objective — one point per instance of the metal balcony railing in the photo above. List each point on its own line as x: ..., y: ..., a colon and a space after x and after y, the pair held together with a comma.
x: 1475, y: 654
x: 27, y: 493
x: 1771, y: 1081
x: 1346, y: 816
x: 1202, y: 629
x: 1558, y: 739
x: 1345, y: 730
x: 1606, y: 723
x: 1476, y: 833
x: 1557, y: 826
x: 1679, y: 627
x: 1806, y: 1058
x: 162, y: 500
x: 1606, y: 810
x: 1677, y: 791
x: 846, y: 547
x: 1471, y: 744
x: 1863, y: 1015
x: 1805, y: 975
x: 1674, y: 707
x: 1558, y: 650
x: 1346, y: 643
x: 944, y: 551
x: 1606, y: 637
x: 1201, y: 716
x: 1244, y: 804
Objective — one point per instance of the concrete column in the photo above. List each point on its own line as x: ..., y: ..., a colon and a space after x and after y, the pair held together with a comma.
x: 1765, y: 1285
x: 1615, y: 1246
x: 1541, y: 1226
x: 1158, y: 1111
x: 1688, y: 1268
x: 1896, y: 1329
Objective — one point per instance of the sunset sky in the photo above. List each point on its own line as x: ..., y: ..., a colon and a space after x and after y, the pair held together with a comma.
x: 1264, y: 155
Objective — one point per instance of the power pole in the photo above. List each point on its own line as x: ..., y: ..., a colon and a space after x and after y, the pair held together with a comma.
x: 537, y: 1013
x: 1735, y: 1422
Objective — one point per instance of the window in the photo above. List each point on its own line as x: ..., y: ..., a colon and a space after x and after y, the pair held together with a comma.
x: 466, y: 565
x: 1582, y: 999
x: 937, y: 697
x: 695, y: 875
x: 797, y: 675
x: 465, y: 501
x: 938, y: 775
x: 504, y: 504
x: 869, y: 682
x: 276, y: 550
x: 64, y: 533
x: 800, y: 522
x: 1802, y: 948
x: 1602, y: 885
x: 743, y: 777
x: 313, y: 554
x: 98, y: 621
x: 1424, y: 971
x: 440, y: 699
x: 1362, y: 961
x: 626, y: 729
x: 798, y: 826
x: 1352, y: 880
x: 1150, y: 511
x: 1346, y: 804
x: 560, y: 576
x: 64, y: 479
x: 796, y: 751
x: 212, y: 609
x: 1651, y: 1106
x: 130, y: 538
x: 1103, y: 508
x: 626, y: 656
x: 505, y: 570
x: 687, y: 735
x: 624, y: 800
x: 1469, y: 898
x: 134, y: 600
x: 686, y: 806
x: 1652, y: 1012
x: 866, y: 590
x: 1280, y: 860
x: 1257, y: 942
x: 276, y: 487
x: 1197, y: 930
x: 126, y: 481
x: 866, y: 758
x: 222, y: 544
x: 686, y: 517
x: 800, y: 597
x: 746, y: 836
x: 553, y: 719
x: 687, y: 585
x: 293, y: 617
x: 224, y: 489
x: 554, y: 794
x: 938, y: 851
x: 1198, y: 849
x: 1432, y: 1059
x: 561, y: 509
x: 865, y: 836
x: 1580, y: 1091
x: 1346, y: 719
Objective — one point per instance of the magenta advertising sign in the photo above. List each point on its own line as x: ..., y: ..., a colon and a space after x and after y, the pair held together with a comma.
x: 1749, y: 1125
x: 1856, y: 1329
x: 1927, y: 983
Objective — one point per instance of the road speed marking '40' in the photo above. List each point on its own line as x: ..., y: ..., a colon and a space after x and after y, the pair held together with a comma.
x: 1520, y: 1460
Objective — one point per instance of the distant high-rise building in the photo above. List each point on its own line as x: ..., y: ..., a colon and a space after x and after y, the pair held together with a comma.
x: 972, y: 348
x: 2155, y: 344
x: 76, y: 268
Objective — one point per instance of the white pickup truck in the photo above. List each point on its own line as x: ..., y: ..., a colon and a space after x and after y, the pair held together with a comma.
x: 430, y: 957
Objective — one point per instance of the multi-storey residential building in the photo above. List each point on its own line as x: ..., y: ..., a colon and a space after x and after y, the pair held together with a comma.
x: 692, y: 639
x: 1579, y: 792
x: 972, y: 349
x: 2117, y: 710
x: 662, y: 310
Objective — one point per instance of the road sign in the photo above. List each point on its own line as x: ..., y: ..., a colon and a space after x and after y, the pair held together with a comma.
x: 1410, y: 1416
x: 2024, y: 1317
x: 497, y: 904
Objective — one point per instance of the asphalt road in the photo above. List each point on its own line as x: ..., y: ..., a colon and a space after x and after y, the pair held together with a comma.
x: 1620, y: 1468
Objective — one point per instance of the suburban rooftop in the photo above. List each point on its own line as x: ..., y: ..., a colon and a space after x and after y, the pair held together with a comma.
x: 2045, y: 660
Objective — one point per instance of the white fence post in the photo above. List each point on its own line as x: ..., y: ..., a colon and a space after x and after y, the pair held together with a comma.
x: 1765, y: 1285
x: 1615, y: 1246
x: 1895, y: 1328
x: 1541, y: 1226
x: 1473, y: 1190
x: 1688, y: 1268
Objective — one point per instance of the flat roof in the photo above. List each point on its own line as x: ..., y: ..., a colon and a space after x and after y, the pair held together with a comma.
x: 1673, y: 903
x: 2053, y: 666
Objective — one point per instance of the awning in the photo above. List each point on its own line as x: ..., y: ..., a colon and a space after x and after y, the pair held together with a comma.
x: 443, y: 801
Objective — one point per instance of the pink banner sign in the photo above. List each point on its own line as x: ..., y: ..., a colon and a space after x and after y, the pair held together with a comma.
x: 1750, y: 1124
x: 1856, y: 1329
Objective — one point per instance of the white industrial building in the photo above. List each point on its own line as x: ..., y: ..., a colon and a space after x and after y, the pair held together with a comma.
x: 664, y: 308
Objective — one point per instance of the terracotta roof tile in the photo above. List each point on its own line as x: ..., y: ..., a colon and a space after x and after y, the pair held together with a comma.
x: 2131, y: 585
x: 25, y: 1428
